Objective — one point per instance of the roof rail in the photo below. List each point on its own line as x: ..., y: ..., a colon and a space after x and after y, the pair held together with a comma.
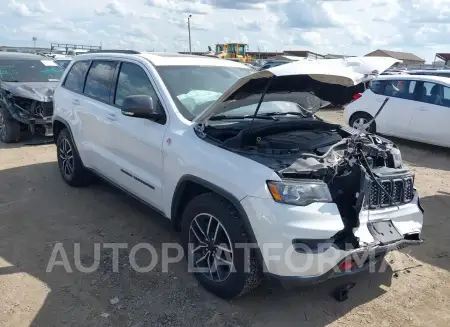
x: 115, y: 51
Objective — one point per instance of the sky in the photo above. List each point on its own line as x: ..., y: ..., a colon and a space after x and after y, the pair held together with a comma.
x: 347, y: 27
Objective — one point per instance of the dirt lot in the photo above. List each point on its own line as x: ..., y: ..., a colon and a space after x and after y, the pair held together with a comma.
x: 37, y: 210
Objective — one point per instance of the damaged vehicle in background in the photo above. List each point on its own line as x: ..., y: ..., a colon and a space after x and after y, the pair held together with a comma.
x: 27, y: 83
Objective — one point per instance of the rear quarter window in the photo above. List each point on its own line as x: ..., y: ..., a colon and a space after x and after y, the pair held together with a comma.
x: 100, y: 79
x: 75, y: 78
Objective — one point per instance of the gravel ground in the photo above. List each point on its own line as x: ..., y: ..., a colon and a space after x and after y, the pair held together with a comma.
x: 38, y: 210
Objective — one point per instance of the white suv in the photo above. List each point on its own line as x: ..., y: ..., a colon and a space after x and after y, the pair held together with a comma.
x: 239, y: 162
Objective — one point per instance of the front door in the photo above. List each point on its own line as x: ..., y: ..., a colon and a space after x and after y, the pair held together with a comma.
x: 136, y: 143
x: 431, y: 115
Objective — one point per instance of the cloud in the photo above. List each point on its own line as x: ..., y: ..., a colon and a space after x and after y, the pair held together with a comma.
x: 246, y: 24
x: 351, y: 27
x: 115, y: 8
x: 188, y: 7
x: 233, y: 4
x: 120, y: 10
x: 24, y: 10
x: 41, y: 8
x: 304, y: 14
x: 20, y: 9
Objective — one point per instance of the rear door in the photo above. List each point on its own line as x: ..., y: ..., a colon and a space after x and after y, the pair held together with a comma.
x: 69, y: 98
x: 96, y: 114
x: 136, y: 143
x: 432, y: 113
x: 400, y: 107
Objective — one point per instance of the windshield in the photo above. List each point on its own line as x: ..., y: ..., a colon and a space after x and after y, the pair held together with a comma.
x: 194, y: 88
x: 241, y: 50
x: 30, y: 71
x: 306, y: 103
x: 231, y: 48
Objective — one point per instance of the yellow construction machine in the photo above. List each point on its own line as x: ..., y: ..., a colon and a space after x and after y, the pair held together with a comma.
x: 233, y: 51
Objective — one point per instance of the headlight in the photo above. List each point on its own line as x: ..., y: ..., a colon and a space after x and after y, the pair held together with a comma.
x: 397, y: 156
x: 300, y: 192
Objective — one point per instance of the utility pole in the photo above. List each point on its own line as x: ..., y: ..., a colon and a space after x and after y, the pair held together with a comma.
x: 34, y: 42
x: 189, y: 31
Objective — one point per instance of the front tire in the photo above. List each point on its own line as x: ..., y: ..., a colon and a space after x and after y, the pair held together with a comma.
x: 211, y: 231
x: 9, y: 128
x: 69, y: 162
x: 362, y: 118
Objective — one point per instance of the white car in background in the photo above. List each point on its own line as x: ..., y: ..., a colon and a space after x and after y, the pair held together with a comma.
x: 418, y: 108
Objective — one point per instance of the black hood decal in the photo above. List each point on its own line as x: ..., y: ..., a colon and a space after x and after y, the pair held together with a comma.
x: 39, y: 91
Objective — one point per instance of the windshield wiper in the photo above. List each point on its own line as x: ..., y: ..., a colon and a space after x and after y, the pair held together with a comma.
x: 224, y: 117
x: 283, y: 113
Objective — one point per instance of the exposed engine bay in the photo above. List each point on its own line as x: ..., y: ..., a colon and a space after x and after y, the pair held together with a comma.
x: 362, y: 170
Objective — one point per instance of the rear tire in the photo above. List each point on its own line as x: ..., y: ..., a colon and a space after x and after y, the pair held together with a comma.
x: 362, y: 118
x: 69, y: 162
x: 9, y: 128
x: 210, y: 220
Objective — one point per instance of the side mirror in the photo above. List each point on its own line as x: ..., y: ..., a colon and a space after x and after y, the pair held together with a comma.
x: 141, y: 106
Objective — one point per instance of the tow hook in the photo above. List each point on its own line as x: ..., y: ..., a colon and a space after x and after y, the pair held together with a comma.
x: 341, y: 292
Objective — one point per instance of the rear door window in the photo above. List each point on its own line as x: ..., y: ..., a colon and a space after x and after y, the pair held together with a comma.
x: 437, y: 94
x: 100, y: 80
x: 75, y: 78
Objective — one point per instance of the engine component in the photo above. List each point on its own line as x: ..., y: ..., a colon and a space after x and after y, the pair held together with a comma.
x: 297, y: 141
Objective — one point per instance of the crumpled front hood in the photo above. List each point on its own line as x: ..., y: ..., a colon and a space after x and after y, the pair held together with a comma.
x: 39, y: 91
x: 329, y: 80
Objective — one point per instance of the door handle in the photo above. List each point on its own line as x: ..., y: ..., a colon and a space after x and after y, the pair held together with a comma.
x: 76, y: 102
x: 423, y: 109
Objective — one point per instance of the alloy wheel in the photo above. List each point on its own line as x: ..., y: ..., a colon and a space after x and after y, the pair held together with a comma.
x: 359, y: 123
x: 2, y: 126
x: 66, y: 156
x: 210, y: 247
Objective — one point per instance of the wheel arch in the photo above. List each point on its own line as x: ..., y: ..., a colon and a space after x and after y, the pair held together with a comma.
x: 190, y: 186
x: 58, y: 125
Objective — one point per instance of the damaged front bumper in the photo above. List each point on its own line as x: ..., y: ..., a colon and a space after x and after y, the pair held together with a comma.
x: 295, y: 241
x: 32, y: 121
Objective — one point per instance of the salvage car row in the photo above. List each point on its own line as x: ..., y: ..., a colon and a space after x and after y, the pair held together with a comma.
x: 236, y: 157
